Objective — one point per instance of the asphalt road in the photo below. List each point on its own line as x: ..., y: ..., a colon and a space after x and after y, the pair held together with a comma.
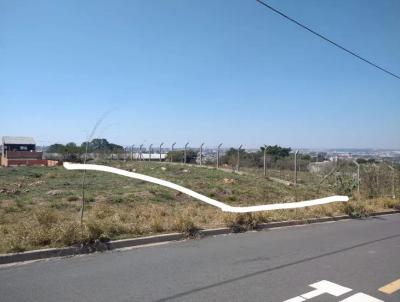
x: 275, y: 265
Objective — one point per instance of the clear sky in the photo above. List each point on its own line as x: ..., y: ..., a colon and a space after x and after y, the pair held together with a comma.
x: 212, y: 70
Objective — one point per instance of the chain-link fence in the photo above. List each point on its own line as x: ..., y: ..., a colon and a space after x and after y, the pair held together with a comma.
x: 368, y: 178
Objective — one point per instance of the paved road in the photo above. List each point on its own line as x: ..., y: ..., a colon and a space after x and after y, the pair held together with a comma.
x: 275, y: 265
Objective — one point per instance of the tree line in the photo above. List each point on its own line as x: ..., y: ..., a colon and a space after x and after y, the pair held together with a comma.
x: 98, y: 145
x: 274, y: 153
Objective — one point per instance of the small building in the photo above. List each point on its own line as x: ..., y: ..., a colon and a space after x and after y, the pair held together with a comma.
x: 21, y: 151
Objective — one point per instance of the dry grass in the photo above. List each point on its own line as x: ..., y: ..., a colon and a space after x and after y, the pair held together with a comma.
x: 39, y: 207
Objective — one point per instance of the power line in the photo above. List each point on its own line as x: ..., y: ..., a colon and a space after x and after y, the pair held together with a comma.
x: 328, y: 40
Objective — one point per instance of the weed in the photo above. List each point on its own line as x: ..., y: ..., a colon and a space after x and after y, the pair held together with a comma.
x: 90, y: 199
x: 391, y: 203
x: 241, y: 222
x: 72, y: 198
x: 117, y: 199
x: 184, y: 224
x: 68, y: 233
x: 46, y: 217
x: 356, y: 209
x: 156, y: 225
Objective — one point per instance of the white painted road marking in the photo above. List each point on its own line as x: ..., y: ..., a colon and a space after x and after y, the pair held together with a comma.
x: 321, y: 287
x: 296, y: 299
x: 327, y: 287
x: 360, y: 297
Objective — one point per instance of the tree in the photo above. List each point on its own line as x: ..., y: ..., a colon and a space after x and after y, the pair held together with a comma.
x: 56, y: 148
x: 178, y: 156
x: 102, y: 145
x: 69, y: 151
x: 277, y: 151
x: 246, y: 159
x: 73, y: 148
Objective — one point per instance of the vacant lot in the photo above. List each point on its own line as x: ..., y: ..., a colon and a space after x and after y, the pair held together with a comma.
x: 39, y: 206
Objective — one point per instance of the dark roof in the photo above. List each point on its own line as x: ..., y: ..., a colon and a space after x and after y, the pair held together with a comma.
x: 18, y: 140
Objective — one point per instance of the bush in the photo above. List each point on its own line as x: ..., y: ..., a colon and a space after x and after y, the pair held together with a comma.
x: 356, y: 210
x: 241, y: 222
x: 156, y: 225
x: 46, y: 217
x: 178, y: 156
x: 72, y: 198
x: 93, y: 230
x: 185, y: 224
x: 68, y: 233
x: 391, y: 204
x: 246, y: 159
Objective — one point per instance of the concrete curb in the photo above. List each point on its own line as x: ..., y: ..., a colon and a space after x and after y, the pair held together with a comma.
x: 117, y: 244
x: 38, y: 254
x: 214, y: 232
x: 124, y: 243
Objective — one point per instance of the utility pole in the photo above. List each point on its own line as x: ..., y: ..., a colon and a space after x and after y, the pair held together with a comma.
x: 185, y: 153
x: 201, y: 154
x: 295, y: 167
x: 172, y: 151
x: 238, y: 159
x: 358, y: 176
x: 140, y: 152
x: 265, y: 160
x: 160, y: 150
x: 150, y: 151
x: 218, y: 150
x: 132, y: 151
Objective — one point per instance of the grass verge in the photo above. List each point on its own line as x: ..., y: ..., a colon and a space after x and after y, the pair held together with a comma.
x: 39, y: 206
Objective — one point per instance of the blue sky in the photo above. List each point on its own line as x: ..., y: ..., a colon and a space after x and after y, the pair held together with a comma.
x: 213, y: 71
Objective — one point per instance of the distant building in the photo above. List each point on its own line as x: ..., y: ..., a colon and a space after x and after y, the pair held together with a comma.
x: 21, y: 151
x: 146, y: 156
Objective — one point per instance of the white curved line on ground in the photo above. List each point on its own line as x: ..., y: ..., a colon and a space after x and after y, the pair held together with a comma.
x: 224, y: 207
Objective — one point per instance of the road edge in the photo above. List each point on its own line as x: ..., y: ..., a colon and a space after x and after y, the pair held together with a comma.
x: 142, y: 241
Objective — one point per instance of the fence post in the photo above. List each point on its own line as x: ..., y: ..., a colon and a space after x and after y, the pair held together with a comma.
x: 336, y: 172
x: 150, y: 151
x: 185, y: 153
x: 140, y: 152
x: 358, y: 176
x: 295, y: 167
x: 172, y: 150
x: 393, y: 174
x: 299, y: 165
x: 376, y: 169
x: 238, y: 159
x: 132, y: 151
x: 201, y: 154
x: 160, y: 150
x: 218, y: 150
x: 265, y: 160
